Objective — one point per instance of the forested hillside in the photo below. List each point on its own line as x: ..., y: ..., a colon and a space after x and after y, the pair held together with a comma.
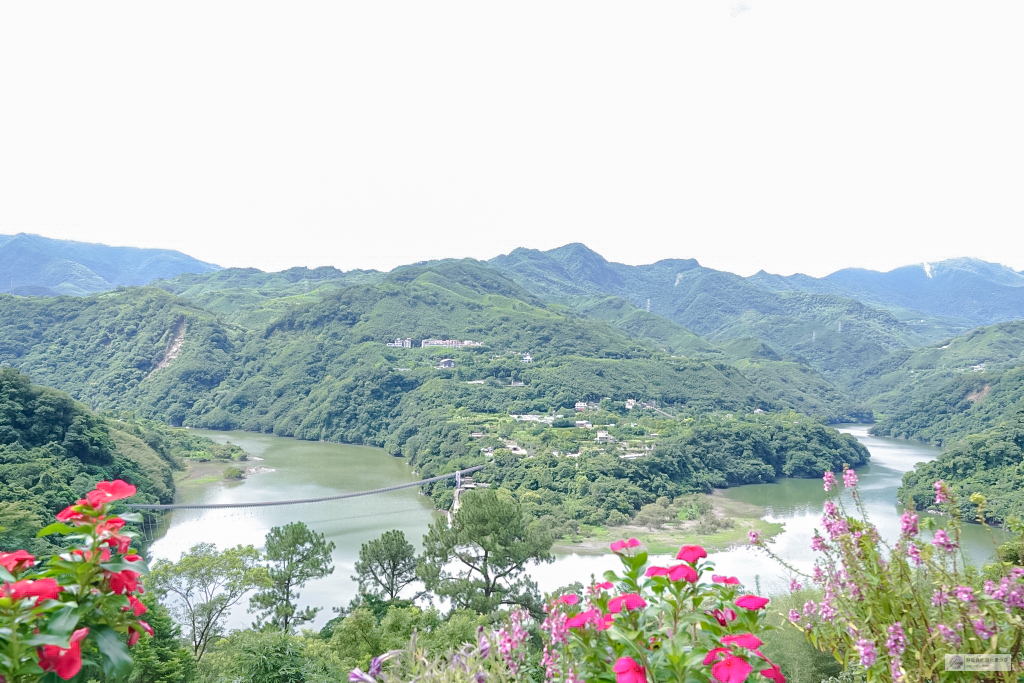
x: 835, y: 335
x: 53, y: 450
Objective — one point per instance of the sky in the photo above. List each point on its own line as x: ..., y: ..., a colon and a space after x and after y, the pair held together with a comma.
x: 785, y: 136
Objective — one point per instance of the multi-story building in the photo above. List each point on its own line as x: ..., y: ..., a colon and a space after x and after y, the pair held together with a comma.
x: 401, y: 344
x: 448, y: 343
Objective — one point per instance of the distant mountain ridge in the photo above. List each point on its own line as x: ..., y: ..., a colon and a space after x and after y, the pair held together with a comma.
x: 976, y: 291
x: 39, y: 266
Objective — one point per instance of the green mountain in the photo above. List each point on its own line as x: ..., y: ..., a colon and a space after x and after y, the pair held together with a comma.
x: 944, y: 392
x: 835, y: 335
x: 34, y: 265
x: 968, y: 291
x: 53, y: 450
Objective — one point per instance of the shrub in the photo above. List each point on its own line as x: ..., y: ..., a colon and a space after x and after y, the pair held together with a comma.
x: 88, y: 594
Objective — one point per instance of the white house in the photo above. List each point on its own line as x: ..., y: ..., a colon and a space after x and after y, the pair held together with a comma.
x: 446, y: 363
x: 527, y: 358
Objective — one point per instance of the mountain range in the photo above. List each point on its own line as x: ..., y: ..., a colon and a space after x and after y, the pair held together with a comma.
x: 40, y: 266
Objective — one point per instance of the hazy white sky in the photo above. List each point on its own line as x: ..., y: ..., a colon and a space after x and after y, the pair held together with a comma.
x: 789, y: 136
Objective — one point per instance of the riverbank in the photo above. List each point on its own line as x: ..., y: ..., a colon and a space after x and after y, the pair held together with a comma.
x: 746, y: 517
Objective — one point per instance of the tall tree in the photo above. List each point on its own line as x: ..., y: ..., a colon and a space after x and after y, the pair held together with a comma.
x: 479, y: 562
x: 386, y: 565
x: 204, y: 585
x: 295, y: 554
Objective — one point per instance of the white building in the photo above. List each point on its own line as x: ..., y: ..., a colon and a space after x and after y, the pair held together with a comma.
x: 447, y: 343
x: 527, y: 358
x: 446, y: 363
x: 603, y: 437
x: 401, y: 344
x: 581, y: 406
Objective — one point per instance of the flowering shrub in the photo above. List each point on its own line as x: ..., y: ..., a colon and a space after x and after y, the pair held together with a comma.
x: 896, y: 611
x: 655, y: 623
x: 88, y: 593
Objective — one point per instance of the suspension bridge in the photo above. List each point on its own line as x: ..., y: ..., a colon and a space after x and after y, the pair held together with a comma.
x: 304, y: 501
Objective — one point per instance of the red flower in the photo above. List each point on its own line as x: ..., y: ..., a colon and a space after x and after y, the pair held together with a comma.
x: 138, y: 609
x: 606, y: 586
x: 731, y: 670
x: 629, y: 600
x: 146, y: 627
x: 774, y: 673
x: 122, y: 543
x: 66, y: 662
x: 110, y: 525
x: 43, y: 589
x: 133, y: 636
x: 16, y: 561
x: 751, y: 602
x: 727, y: 580
x: 568, y: 599
x: 656, y: 571
x: 109, y: 491
x: 123, y: 581
x: 747, y: 640
x: 682, y: 572
x: 724, y: 617
x: 70, y: 514
x: 605, y: 623
x: 691, y: 553
x: 628, y: 670
x: 713, y: 654
x: 622, y: 545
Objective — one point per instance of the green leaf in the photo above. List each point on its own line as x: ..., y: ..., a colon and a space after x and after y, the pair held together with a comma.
x: 139, y: 567
x: 117, y: 663
x: 132, y: 517
x: 38, y: 639
x: 6, y: 575
x: 64, y: 620
x: 55, y: 528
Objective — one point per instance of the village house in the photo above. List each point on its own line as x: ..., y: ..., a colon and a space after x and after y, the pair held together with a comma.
x: 527, y: 358
x: 446, y: 363
x: 447, y: 343
x: 603, y: 437
x: 581, y: 406
x: 400, y: 344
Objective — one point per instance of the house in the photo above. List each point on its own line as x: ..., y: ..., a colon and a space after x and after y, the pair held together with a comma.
x: 447, y: 343
x: 527, y: 358
x: 476, y: 435
x: 630, y: 403
x: 603, y: 437
x: 400, y: 344
x: 446, y: 363
x: 517, y: 384
x: 581, y: 406
x: 584, y: 424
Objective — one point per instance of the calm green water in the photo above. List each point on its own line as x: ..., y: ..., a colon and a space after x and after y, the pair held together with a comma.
x: 309, y: 469
x: 303, y: 469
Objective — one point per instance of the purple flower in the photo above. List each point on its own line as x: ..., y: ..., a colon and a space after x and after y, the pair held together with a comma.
x: 376, y: 664
x: 818, y: 544
x: 866, y: 648
x: 360, y: 676
x: 964, y: 593
x: 908, y: 524
x: 849, y: 478
x: 819, y: 574
x: 810, y: 608
x: 941, y: 492
x: 794, y: 616
x: 915, y: 553
x: 825, y: 610
x: 983, y: 630
x: 830, y: 509
x: 896, y: 644
x: 753, y: 536
x: 949, y: 635
x: 483, y: 642
x: 942, y: 540
x: 830, y: 480
x: 795, y: 585
x: 895, y: 670
x: 940, y: 597
x: 479, y: 677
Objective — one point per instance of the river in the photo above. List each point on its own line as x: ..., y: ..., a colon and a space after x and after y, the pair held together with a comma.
x: 308, y: 469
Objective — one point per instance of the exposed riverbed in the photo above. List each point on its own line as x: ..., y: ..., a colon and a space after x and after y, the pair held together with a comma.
x: 308, y: 469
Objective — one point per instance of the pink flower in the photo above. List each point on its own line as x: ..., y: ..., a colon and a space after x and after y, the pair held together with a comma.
x: 628, y: 670
x: 583, y: 618
x: 136, y: 606
x: 691, y: 553
x: 568, y: 599
x: 747, y: 640
x: 606, y: 586
x: 849, y: 478
x: 754, y: 536
x: 618, y: 546
x: 65, y: 662
x: 109, y: 491
x: 16, y: 561
x: 42, y: 589
x: 656, y: 571
x: 830, y: 480
x: 751, y: 602
x: 774, y: 673
x: 727, y: 580
x: 795, y: 585
x: 712, y: 655
x: 908, y: 524
x: 941, y: 492
x: 724, y: 617
x: 630, y: 601
x: 731, y: 670
x: 682, y: 572
x: 943, y: 541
